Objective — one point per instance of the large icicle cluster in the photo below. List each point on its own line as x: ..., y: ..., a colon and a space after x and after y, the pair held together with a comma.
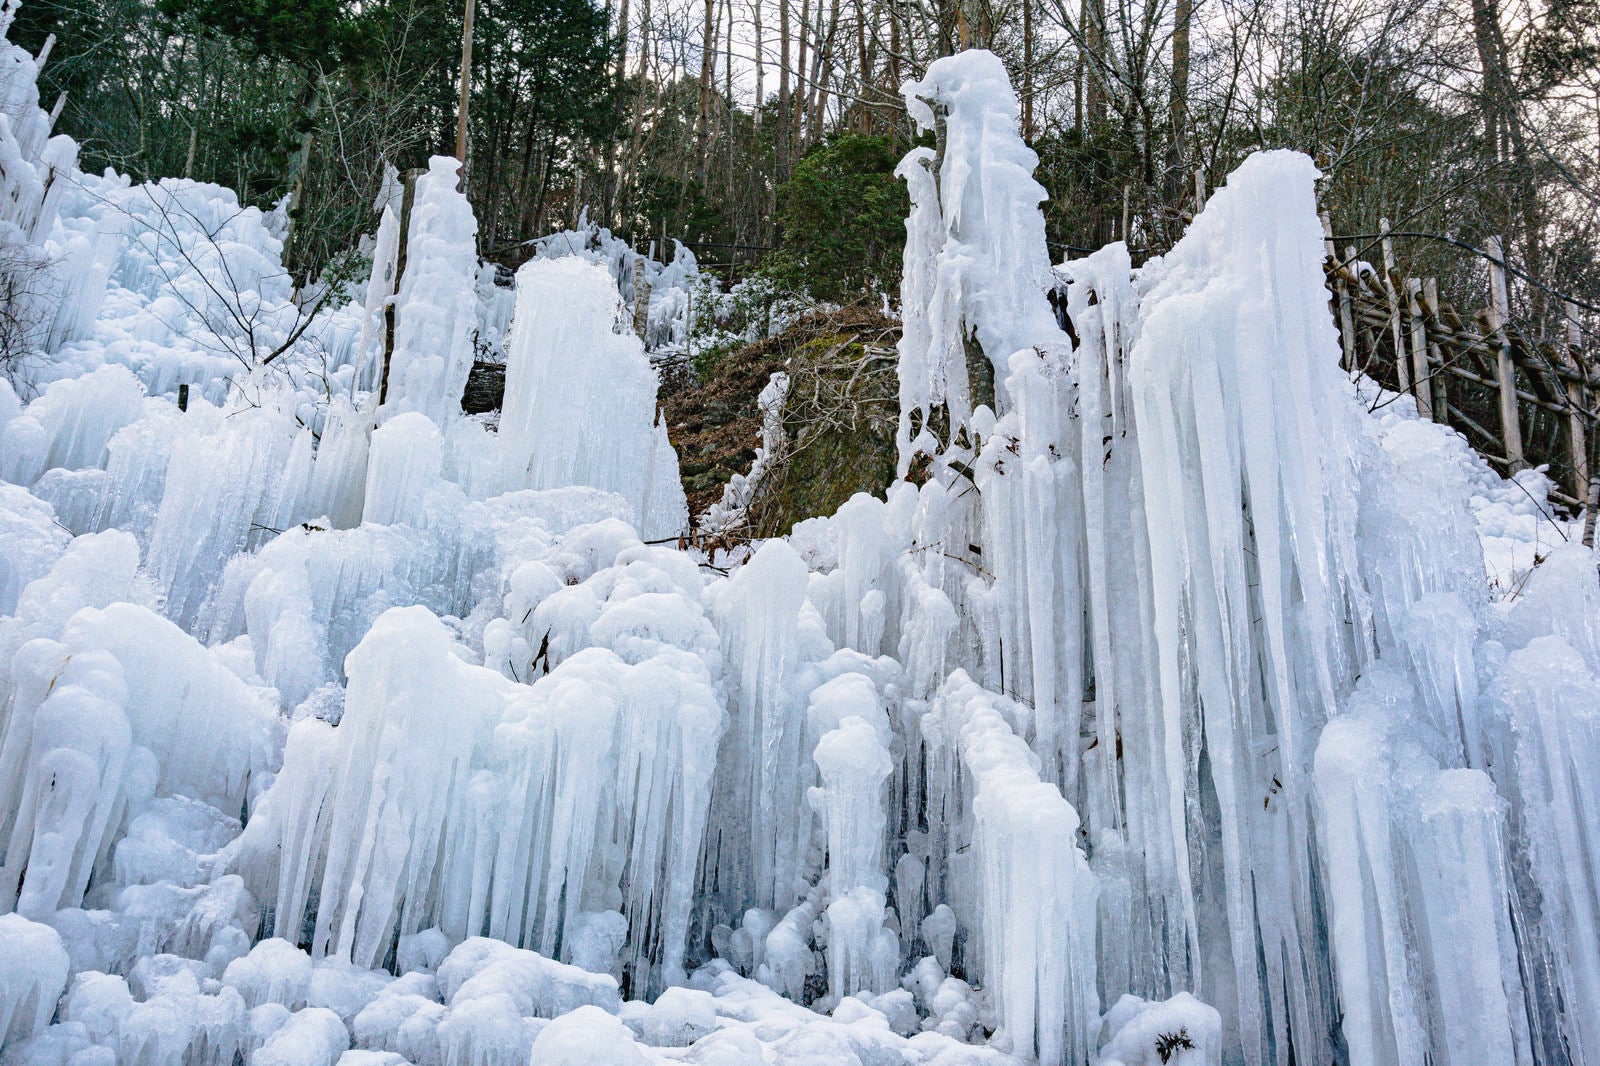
x: 50, y: 292
x: 1251, y: 627
x: 976, y: 263
x: 669, y: 288
x: 580, y: 399
x: 436, y: 302
x: 1159, y: 714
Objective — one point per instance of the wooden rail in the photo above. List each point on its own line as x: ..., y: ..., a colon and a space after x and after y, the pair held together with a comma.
x: 1474, y: 371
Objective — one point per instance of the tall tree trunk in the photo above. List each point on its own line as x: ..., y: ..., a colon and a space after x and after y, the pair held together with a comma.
x: 1092, y: 24
x: 489, y: 164
x: 544, y: 185
x: 801, y: 89
x: 785, y: 145
x: 636, y: 127
x: 761, y: 64
x: 466, y: 88
x: 1027, y: 70
x: 708, y: 68
x: 526, y: 197
x: 894, y: 51
x: 1178, y: 106
x: 1518, y: 199
x: 310, y: 103
x: 609, y: 189
x: 822, y: 71
x: 861, y: 107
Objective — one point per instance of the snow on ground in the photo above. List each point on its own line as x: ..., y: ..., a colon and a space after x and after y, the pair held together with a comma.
x: 1180, y: 712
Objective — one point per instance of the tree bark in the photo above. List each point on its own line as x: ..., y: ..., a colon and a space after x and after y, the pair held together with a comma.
x: 1178, y: 107
x: 466, y: 88
x: 1027, y: 69
x: 1502, y: 117
x: 761, y: 65
x: 708, y: 68
x: 802, y: 89
x: 784, y: 144
x: 608, y: 192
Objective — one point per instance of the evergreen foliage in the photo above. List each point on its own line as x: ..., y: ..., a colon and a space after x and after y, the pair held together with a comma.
x: 843, y: 219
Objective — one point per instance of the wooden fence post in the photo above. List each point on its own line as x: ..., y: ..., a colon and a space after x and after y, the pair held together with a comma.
x: 1351, y: 264
x: 1505, y: 369
x: 1420, y: 367
x: 1441, y: 395
x: 1402, y: 360
x: 1347, y: 325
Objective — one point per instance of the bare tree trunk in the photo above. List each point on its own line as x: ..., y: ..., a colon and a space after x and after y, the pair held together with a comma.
x: 199, y: 101
x: 725, y: 107
x: 1093, y: 23
x: 801, y: 89
x: 708, y: 69
x: 1027, y: 70
x: 466, y: 88
x: 785, y: 146
x: 822, y: 71
x: 1079, y: 82
x: 1178, y: 108
x: 298, y: 164
x: 894, y: 51
x: 608, y: 192
x: 864, y: 58
x: 1518, y: 194
x: 636, y: 129
x: 761, y: 65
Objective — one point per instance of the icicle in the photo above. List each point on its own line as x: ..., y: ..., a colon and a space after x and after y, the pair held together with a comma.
x: 976, y: 265
x: 853, y: 760
x: 435, y: 305
x: 1035, y: 905
x: 32, y: 976
x: 580, y: 403
x: 760, y: 788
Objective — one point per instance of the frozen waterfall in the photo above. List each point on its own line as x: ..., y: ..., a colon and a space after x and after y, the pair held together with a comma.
x: 1159, y: 712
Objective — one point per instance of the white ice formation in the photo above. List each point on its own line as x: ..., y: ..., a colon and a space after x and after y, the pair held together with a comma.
x: 669, y: 288
x: 1163, y: 714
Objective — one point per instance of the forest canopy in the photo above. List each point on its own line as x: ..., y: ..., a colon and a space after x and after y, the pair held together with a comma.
x: 722, y: 122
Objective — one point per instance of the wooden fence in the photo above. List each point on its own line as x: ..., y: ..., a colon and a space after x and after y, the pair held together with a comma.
x: 1520, y: 401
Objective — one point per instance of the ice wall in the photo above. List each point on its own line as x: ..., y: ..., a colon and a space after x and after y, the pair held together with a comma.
x: 670, y: 286
x: 1189, y: 543
x: 45, y: 303
x: 436, y: 303
x: 977, y: 265
x: 31, y: 160
x: 580, y: 400
x: 529, y: 808
x: 1160, y: 715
